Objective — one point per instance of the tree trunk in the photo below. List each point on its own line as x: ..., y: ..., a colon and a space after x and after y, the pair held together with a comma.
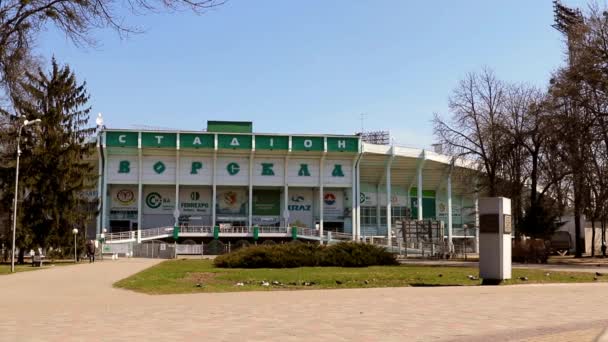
x: 578, y: 253
x: 20, y: 257
x: 533, y: 178
x: 593, y: 238
x: 603, y: 223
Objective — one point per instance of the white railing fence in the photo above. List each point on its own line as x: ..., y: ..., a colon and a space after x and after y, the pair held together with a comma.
x: 189, y: 249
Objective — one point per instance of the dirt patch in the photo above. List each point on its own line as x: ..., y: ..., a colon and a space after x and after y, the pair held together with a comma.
x: 200, y: 277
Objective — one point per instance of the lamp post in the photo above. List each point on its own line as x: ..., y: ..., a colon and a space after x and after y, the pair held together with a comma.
x: 25, y: 123
x: 75, y: 232
x: 102, y: 238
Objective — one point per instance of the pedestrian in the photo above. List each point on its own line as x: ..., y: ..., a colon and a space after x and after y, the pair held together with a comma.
x: 91, y: 250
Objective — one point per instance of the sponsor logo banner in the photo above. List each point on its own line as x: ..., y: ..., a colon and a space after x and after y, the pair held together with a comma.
x: 232, y: 202
x: 123, y: 198
x: 266, y: 202
x: 194, y: 200
x: 333, y: 203
x: 159, y: 200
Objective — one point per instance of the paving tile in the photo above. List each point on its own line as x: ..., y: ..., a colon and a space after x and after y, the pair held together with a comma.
x: 78, y: 303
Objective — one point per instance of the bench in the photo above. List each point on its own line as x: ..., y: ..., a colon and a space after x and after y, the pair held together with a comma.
x: 37, y: 260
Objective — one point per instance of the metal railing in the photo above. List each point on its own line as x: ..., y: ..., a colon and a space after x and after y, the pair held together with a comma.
x: 236, y: 230
x: 189, y: 249
x: 196, y: 229
x: 308, y: 232
x: 155, y: 232
x: 121, y: 236
x: 338, y: 236
x: 244, y: 231
x: 275, y: 230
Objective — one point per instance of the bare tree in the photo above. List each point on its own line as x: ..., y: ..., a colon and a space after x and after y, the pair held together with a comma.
x: 22, y: 20
x: 474, y: 131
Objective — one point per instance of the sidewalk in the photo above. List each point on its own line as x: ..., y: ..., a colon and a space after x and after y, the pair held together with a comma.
x: 79, y: 303
x: 565, y: 265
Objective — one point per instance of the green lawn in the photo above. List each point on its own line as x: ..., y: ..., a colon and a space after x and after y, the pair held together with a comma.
x: 6, y: 268
x: 182, y: 276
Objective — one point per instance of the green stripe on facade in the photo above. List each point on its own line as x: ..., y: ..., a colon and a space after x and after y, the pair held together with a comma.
x: 342, y: 144
x: 271, y: 142
x: 231, y: 141
x: 425, y: 193
x: 189, y: 140
x: 230, y: 126
x: 158, y: 139
x: 306, y: 144
x: 234, y: 141
x: 121, y: 139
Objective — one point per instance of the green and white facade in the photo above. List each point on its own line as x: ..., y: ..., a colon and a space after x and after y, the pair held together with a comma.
x: 230, y: 175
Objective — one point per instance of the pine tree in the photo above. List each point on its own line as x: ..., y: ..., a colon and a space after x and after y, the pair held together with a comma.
x: 56, y: 157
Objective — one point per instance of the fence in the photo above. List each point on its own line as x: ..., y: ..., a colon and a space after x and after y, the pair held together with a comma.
x: 189, y: 249
x: 154, y: 249
x: 421, y: 238
x: 117, y: 248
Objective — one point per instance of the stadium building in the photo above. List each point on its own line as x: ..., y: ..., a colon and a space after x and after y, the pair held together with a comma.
x: 230, y: 177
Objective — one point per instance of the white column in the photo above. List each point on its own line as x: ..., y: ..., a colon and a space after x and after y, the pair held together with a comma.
x: 321, y: 191
x: 354, y: 201
x: 104, y: 192
x: 213, y: 182
x: 251, y: 159
x: 177, y: 174
x: 358, y: 236
x: 476, y: 204
x: 250, y: 209
x: 286, y: 195
x: 378, y: 209
x: 450, y: 241
x: 419, y: 172
x: 389, y: 204
x: 99, y: 185
x: 140, y: 171
x: 409, y: 200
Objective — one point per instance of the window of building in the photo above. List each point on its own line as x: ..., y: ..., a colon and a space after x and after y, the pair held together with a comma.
x: 400, y: 214
x: 383, y: 216
x: 368, y: 216
x: 397, y: 214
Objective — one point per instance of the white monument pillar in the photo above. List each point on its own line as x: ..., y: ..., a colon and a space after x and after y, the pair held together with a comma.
x: 419, y: 197
x: 495, y: 239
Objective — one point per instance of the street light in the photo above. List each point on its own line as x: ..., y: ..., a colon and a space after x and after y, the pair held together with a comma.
x: 75, y: 232
x: 25, y: 123
x: 102, y: 237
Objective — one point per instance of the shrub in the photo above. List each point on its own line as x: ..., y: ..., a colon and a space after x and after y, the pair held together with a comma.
x: 345, y: 254
x: 533, y: 251
x: 270, y: 256
x: 240, y: 244
x: 350, y: 254
x: 214, y: 247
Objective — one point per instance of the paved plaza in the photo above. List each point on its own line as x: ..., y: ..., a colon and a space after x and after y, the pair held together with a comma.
x: 74, y: 303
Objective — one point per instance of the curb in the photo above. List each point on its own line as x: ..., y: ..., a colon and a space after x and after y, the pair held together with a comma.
x: 603, y: 337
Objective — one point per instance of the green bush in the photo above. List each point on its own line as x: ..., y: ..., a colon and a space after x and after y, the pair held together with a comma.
x: 345, y: 254
x: 350, y: 254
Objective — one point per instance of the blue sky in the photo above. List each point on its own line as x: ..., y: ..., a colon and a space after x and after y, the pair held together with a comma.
x: 310, y: 66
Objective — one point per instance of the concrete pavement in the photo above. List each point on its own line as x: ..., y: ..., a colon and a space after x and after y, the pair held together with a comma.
x: 75, y: 303
x: 588, y: 268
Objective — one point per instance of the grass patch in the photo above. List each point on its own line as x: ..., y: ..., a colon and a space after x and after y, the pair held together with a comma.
x: 182, y: 276
x: 5, y: 268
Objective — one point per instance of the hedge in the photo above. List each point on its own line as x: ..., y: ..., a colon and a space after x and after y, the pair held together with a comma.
x: 290, y: 255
